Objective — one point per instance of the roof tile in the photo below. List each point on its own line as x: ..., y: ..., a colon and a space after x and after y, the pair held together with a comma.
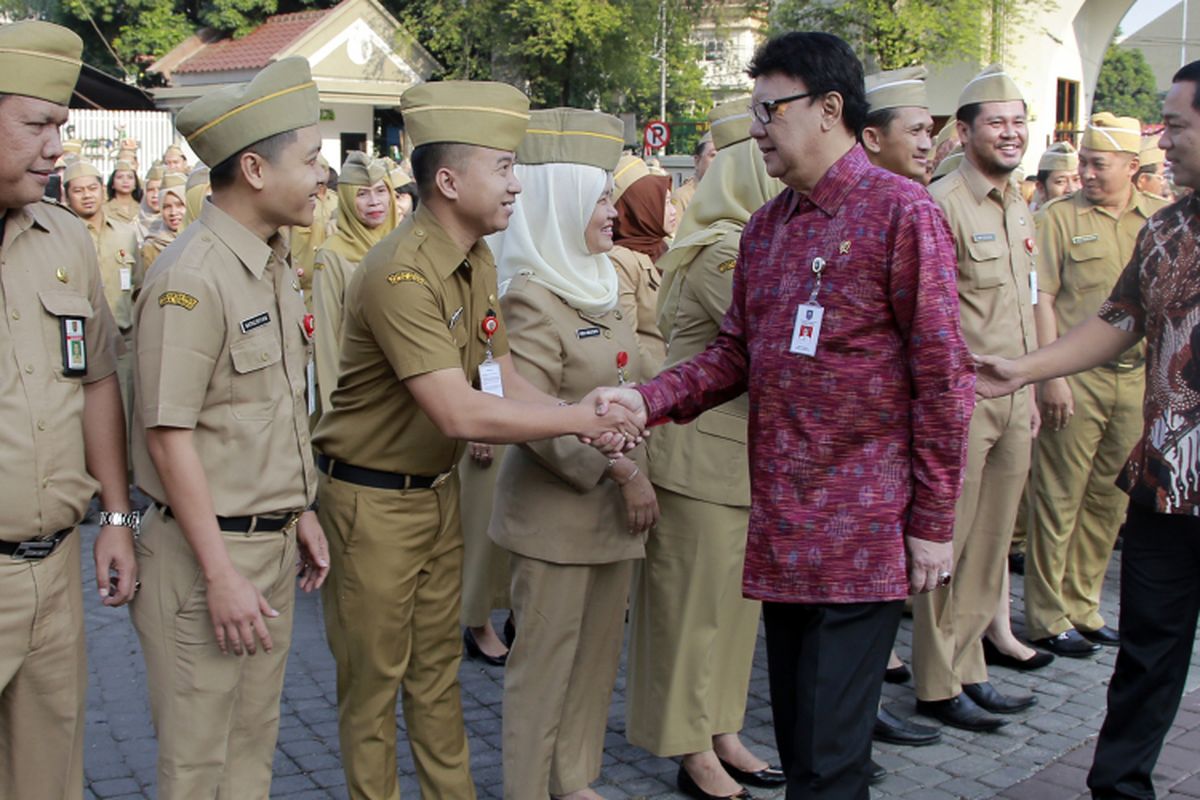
x: 256, y: 49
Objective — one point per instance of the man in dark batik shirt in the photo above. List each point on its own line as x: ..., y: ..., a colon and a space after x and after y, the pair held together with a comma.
x: 1158, y: 298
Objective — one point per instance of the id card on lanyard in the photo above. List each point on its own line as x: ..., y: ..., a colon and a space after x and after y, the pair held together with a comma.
x: 806, y: 331
x: 490, y: 380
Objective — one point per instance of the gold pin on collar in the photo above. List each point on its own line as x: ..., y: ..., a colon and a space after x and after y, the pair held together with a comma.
x: 844, y: 247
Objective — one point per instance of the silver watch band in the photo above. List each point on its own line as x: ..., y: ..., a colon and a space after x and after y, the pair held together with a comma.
x: 122, y: 519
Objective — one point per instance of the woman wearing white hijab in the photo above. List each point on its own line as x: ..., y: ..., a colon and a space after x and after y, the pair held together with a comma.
x: 692, y: 633
x: 574, y: 520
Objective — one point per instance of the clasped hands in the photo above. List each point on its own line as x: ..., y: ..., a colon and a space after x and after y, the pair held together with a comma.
x: 618, y: 423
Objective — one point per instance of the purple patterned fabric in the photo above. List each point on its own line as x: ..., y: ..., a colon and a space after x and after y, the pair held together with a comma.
x: 864, y: 443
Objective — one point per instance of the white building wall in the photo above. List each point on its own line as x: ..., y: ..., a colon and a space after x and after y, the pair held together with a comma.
x: 348, y: 118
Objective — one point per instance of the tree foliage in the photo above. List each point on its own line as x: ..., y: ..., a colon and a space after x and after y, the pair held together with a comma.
x: 1126, y: 86
x: 583, y: 53
x: 891, y: 34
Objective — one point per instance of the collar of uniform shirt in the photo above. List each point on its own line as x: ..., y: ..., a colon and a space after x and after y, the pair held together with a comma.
x: 252, y: 251
x: 981, y: 188
x: 424, y: 220
x: 25, y: 218
x: 835, y: 185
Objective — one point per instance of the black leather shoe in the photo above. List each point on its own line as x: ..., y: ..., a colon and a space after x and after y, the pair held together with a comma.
x: 1070, y: 643
x: 987, y: 698
x: 960, y: 712
x: 993, y: 657
x: 689, y: 787
x: 766, y: 778
x: 1103, y: 635
x: 890, y: 728
x: 899, y: 674
x: 875, y: 773
x: 474, y: 652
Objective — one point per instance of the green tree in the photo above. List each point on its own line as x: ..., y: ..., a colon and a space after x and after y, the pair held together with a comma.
x: 1126, y: 86
x: 901, y: 33
x: 583, y: 53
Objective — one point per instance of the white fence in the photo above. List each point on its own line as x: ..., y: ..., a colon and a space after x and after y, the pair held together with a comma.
x: 102, y: 132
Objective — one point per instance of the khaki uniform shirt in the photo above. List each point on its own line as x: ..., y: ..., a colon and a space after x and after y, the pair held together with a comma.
x: 682, y: 196
x: 639, y: 281
x: 48, y: 272
x: 221, y: 349
x: 552, y: 501
x: 1082, y: 250
x: 120, y: 257
x: 331, y: 274
x: 415, y: 305
x: 994, y: 239
x: 705, y: 459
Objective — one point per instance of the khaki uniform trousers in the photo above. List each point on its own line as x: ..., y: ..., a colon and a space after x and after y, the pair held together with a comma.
x: 949, y: 622
x: 485, y: 564
x: 216, y: 715
x: 691, y: 645
x: 391, y: 618
x: 560, y: 673
x: 43, y: 676
x: 1078, y: 505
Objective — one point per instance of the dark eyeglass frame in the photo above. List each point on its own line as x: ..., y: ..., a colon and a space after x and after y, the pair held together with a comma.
x: 769, y: 107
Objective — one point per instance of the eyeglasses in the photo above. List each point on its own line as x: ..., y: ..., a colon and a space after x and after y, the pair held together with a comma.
x: 764, y: 110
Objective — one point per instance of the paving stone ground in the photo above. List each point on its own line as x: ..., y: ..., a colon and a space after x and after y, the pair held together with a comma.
x: 1041, y: 755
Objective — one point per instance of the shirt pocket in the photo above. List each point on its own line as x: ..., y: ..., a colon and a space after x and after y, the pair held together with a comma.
x: 257, y: 389
x: 985, y: 265
x: 60, y: 306
x: 1087, y: 273
x: 723, y: 425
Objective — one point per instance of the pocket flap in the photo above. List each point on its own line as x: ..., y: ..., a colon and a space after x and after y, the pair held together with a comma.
x: 985, y: 251
x: 1087, y: 251
x: 723, y: 424
x: 255, y: 353
x: 66, y: 304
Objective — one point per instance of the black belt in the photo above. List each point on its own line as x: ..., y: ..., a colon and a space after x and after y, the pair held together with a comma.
x: 377, y: 478
x: 255, y: 523
x: 34, y: 549
x: 1125, y: 366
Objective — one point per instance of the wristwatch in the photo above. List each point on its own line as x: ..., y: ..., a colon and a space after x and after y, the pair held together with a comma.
x: 122, y: 519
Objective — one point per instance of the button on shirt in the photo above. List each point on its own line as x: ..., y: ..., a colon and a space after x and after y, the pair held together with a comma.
x: 221, y: 349
x: 1156, y: 296
x: 48, y: 272
x: 865, y: 442
x: 415, y: 305
x: 994, y: 239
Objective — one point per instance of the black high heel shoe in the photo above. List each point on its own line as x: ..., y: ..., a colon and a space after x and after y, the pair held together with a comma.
x: 474, y: 652
x: 687, y: 784
x: 993, y: 657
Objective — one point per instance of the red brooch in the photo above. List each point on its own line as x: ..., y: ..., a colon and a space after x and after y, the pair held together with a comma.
x: 310, y: 326
x: 490, y: 325
x: 1030, y: 245
x: 622, y: 362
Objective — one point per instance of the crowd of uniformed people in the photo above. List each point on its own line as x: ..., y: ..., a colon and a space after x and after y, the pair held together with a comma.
x: 441, y: 327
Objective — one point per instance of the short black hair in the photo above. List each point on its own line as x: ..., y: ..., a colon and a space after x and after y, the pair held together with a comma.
x: 410, y: 189
x: 222, y: 175
x: 1043, y: 175
x: 880, y: 119
x: 824, y: 62
x: 1190, y: 72
x: 971, y: 111
x: 1147, y: 169
x: 427, y: 159
x: 698, y: 150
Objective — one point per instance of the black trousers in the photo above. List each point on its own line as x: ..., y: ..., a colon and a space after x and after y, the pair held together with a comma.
x: 1160, y: 603
x: 825, y: 664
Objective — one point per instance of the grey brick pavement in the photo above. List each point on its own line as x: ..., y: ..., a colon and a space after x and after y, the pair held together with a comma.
x: 120, y: 748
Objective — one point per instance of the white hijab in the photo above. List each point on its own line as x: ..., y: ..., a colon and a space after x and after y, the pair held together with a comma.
x: 545, y: 236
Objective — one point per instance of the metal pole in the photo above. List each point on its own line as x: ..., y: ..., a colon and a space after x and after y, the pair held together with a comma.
x: 662, y: 60
x: 1183, y: 39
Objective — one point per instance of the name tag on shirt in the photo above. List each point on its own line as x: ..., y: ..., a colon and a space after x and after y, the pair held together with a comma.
x: 257, y: 321
x: 586, y: 333
x: 74, y: 346
x: 126, y: 279
x: 983, y: 237
x: 490, y: 381
x: 807, y: 330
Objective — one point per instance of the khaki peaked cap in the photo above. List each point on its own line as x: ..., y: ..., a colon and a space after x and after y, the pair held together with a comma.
x: 359, y: 169
x: 282, y: 97
x: 897, y: 88
x: 81, y: 169
x: 39, y: 59
x: 729, y: 122
x: 1059, y: 157
x: 1151, y: 153
x: 629, y: 169
x: 993, y: 85
x: 480, y: 113
x: 572, y: 136
x: 1109, y: 133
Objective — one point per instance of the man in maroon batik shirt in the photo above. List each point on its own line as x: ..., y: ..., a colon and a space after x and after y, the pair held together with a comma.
x: 844, y: 328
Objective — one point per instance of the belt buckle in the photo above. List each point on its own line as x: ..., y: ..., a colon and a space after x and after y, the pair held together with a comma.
x: 292, y: 522
x: 34, y: 549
